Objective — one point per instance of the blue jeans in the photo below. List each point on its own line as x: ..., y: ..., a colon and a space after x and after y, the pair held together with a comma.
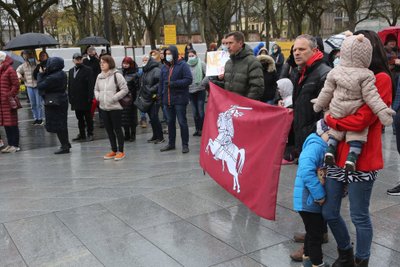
x: 173, y: 112
x: 396, y: 124
x: 36, y: 103
x: 197, y: 100
x: 359, y: 198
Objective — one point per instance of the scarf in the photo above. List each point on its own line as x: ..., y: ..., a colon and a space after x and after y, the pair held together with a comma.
x: 317, y: 56
x: 198, y: 70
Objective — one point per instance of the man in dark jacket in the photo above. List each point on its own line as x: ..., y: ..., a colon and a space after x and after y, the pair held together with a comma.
x: 310, y: 80
x: 80, y: 93
x: 243, y: 72
x: 174, y: 90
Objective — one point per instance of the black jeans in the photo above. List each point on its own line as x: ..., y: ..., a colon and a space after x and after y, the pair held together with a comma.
x: 155, y: 121
x: 63, y: 138
x: 314, y: 225
x: 12, y: 133
x: 113, y: 124
x: 85, y: 122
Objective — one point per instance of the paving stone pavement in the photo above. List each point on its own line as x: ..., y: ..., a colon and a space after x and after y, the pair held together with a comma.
x: 157, y: 209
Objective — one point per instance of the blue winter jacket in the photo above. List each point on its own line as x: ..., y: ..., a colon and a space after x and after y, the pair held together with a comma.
x: 257, y: 48
x: 307, y: 187
x: 174, y: 90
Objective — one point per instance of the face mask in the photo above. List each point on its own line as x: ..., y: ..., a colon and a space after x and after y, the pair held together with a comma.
x: 144, y: 64
x: 31, y: 60
x: 224, y: 48
x: 336, y: 62
x: 169, y: 58
x: 192, y: 59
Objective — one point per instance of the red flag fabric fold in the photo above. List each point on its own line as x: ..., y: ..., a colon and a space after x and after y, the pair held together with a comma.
x: 242, y: 146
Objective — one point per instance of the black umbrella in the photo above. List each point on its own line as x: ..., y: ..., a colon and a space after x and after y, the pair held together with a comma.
x: 17, y: 60
x: 30, y: 40
x: 93, y: 40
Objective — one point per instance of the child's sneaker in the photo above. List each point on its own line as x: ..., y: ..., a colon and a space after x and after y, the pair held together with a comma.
x: 350, y: 164
x: 329, y: 157
x: 110, y: 155
x: 119, y: 156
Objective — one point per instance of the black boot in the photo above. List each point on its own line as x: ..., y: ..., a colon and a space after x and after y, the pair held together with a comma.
x: 133, y: 135
x: 361, y: 263
x: 345, y: 259
x: 62, y: 150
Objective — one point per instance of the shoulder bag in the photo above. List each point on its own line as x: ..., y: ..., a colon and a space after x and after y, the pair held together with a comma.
x: 127, y: 100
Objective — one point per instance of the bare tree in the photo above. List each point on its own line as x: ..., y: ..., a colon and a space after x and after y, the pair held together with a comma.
x: 149, y: 11
x: 389, y: 10
x: 51, y: 18
x: 353, y: 8
x: 296, y: 10
x: 222, y: 12
x: 81, y: 9
x: 315, y: 12
x: 187, y: 12
x: 27, y: 13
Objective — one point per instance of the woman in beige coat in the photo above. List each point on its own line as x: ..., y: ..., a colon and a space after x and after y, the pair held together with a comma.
x: 108, y: 95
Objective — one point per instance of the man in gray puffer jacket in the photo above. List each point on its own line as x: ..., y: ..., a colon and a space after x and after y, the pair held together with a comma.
x: 243, y: 72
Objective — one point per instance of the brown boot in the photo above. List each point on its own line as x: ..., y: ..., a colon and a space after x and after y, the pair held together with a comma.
x: 299, y: 237
x: 298, y: 254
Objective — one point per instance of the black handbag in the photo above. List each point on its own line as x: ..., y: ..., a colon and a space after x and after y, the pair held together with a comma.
x: 52, y: 100
x: 127, y: 100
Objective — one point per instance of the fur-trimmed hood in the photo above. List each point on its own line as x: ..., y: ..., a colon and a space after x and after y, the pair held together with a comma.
x: 267, y: 61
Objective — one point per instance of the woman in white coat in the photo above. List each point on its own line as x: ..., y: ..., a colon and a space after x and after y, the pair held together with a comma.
x: 109, y: 89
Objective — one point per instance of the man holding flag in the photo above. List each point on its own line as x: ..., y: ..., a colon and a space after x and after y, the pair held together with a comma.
x: 242, y: 144
x: 243, y: 72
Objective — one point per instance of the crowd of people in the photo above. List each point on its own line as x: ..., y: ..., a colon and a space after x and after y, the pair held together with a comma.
x: 339, y: 102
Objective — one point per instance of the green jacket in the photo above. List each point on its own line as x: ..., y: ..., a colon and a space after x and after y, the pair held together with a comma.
x: 244, y: 75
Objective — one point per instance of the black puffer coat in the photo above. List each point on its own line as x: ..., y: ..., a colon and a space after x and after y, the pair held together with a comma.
x: 243, y: 75
x: 270, y: 77
x: 304, y: 116
x: 129, y: 115
x: 81, y: 88
x: 150, y: 80
x: 53, y: 84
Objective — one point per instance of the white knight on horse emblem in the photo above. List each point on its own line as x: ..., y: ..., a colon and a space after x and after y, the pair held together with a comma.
x: 222, y: 147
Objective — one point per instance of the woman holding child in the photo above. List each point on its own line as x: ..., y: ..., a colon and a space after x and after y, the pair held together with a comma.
x: 359, y: 183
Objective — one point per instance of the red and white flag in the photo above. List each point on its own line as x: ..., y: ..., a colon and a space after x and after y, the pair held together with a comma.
x: 242, y: 147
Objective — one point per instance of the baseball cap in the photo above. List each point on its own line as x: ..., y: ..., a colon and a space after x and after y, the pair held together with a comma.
x: 76, y: 55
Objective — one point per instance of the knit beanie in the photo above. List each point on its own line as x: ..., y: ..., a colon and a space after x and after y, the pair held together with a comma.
x: 356, y: 51
x: 2, y: 56
x: 322, y: 127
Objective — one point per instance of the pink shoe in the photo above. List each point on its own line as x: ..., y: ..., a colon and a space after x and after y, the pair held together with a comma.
x: 286, y: 162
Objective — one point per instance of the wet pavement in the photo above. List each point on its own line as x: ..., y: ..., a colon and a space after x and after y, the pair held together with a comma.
x: 153, y: 209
